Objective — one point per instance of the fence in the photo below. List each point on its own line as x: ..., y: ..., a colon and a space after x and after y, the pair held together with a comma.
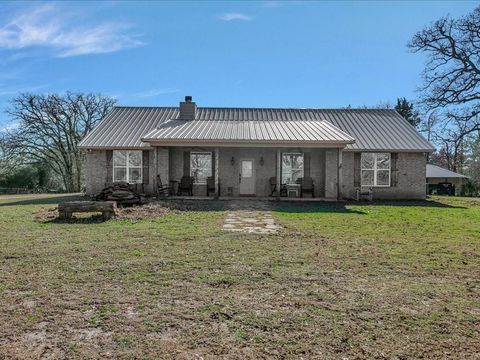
x: 9, y: 191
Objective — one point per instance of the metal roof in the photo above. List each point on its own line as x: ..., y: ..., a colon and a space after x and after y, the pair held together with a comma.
x: 372, y: 129
x: 240, y: 131
x: 434, y: 171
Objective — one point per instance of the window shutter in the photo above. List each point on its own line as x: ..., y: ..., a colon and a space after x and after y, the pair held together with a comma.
x: 146, y: 166
x: 306, y: 165
x: 357, y: 167
x: 186, y: 163
x: 393, y: 169
x: 109, y: 155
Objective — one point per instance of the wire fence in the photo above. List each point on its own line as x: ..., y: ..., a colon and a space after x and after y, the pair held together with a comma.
x: 14, y: 191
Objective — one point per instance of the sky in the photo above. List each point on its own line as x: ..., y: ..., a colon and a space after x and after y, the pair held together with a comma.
x: 223, y: 53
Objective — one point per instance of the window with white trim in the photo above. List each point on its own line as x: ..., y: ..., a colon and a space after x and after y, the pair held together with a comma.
x: 127, y: 166
x: 201, y: 166
x: 292, y: 167
x: 376, y: 169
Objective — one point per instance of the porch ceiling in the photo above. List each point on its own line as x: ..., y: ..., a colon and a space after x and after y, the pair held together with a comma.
x: 228, y: 133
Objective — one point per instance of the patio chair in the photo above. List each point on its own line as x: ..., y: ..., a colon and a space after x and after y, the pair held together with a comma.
x: 162, y: 190
x: 211, y: 186
x: 307, y: 187
x: 186, y: 185
x: 273, y: 187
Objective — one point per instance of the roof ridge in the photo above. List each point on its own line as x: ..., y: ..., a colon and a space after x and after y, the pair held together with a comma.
x: 253, y: 108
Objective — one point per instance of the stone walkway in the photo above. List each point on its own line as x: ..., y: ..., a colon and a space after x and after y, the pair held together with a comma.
x: 258, y: 220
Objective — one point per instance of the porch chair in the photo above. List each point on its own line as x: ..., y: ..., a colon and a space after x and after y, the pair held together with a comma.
x: 162, y: 190
x: 273, y: 187
x: 307, y: 186
x: 365, y: 193
x: 186, y: 185
x: 211, y: 186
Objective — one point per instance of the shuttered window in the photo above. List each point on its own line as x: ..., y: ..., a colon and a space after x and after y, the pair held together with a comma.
x: 127, y: 166
x: 376, y: 169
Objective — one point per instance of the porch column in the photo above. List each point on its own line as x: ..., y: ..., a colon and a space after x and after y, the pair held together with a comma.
x: 279, y: 173
x: 331, y: 173
x: 155, y: 170
x: 163, y: 166
x: 217, y: 184
x: 340, y: 173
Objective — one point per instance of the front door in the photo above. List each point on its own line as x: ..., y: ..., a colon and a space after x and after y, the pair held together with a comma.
x: 247, y: 177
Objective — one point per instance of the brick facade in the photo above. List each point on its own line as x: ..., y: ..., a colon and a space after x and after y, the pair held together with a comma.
x: 323, y: 170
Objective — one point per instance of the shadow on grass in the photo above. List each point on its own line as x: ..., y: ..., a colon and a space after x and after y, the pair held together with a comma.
x: 407, y: 203
x: 51, y: 217
x: 346, y: 207
x: 318, y: 207
x: 42, y: 200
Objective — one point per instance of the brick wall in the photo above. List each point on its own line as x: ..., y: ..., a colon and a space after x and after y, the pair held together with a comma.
x: 95, y: 171
x: 411, y: 178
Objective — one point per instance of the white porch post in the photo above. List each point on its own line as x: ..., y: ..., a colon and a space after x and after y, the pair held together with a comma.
x: 339, y: 175
x: 217, y: 185
x: 279, y: 173
x: 155, y: 169
x: 162, y: 165
x: 331, y: 174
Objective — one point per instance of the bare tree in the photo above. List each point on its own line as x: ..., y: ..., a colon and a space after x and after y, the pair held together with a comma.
x: 452, y: 72
x: 452, y: 78
x: 51, y: 127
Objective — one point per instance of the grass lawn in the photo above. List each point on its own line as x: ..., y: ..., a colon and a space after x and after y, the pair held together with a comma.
x: 380, y: 281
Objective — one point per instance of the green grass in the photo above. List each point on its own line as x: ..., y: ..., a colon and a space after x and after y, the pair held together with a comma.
x: 387, y: 280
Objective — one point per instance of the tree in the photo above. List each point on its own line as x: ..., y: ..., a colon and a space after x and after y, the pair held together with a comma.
x: 406, y: 109
x: 451, y: 78
x: 452, y: 73
x: 50, y: 129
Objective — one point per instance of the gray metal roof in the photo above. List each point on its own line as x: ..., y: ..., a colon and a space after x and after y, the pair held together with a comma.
x: 299, y: 131
x: 372, y: 129
x: 434, y: 171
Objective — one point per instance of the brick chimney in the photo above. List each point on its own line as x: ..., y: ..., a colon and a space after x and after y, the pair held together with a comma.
x: 187, y: 109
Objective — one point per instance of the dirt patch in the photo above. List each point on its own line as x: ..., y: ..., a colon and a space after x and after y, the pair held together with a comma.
x: 144, y: 212
x: 149, y: 211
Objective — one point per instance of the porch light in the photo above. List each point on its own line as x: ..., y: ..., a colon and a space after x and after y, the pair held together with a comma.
x: 232, y: 161
x: 261, y: 161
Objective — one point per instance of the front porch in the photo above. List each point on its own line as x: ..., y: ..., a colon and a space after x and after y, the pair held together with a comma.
x: 248, y: 172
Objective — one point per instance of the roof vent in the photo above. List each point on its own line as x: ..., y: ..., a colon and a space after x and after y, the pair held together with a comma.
x: 187, y: 109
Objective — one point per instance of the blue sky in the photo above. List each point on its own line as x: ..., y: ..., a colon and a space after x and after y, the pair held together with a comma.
x: 272, y: 54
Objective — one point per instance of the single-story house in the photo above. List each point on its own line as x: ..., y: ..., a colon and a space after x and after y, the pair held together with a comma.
x: 441, y: 180
x: 255, y: 151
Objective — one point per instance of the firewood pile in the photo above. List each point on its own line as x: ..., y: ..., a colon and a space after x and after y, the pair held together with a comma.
x: 120, y: 192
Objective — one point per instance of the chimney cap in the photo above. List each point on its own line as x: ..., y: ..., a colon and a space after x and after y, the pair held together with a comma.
x: 188, y: 98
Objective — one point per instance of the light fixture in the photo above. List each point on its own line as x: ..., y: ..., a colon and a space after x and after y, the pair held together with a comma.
x: 261, y: 161
x: 232, y: 161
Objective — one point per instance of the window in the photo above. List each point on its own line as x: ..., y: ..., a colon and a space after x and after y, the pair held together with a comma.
x: 200, y: 166
x: 127, y: 166
x: 292, y: 167
x: 375, y: 169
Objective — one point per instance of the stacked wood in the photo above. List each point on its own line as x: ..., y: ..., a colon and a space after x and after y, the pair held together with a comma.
x: 120, y: 192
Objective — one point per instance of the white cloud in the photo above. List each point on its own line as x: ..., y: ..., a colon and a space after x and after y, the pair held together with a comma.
x: 272, y: 4
x: 154, y: 92
x: 235, y: 16
x: 46, y: 26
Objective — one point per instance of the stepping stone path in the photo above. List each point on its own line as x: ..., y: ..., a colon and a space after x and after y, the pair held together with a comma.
x: 251, y: 221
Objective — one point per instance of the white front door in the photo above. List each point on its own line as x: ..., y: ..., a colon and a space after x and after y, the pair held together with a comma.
x: 247, y: 177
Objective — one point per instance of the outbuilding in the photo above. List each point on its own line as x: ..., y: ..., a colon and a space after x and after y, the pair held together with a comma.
x: 444, y: 182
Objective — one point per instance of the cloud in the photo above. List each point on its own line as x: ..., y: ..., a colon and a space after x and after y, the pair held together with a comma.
x: 46, y: 26
x: 235, y: 16
x: 154, y: 92
x: 272, y: 4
